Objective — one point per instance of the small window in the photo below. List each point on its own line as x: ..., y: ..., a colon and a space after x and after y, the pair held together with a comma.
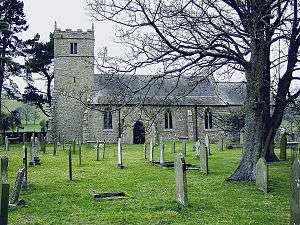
x: 168, y: 120
x: 74, y: 79
x: 107, y: 120
x: 73, y: 48
x: 207, y: 119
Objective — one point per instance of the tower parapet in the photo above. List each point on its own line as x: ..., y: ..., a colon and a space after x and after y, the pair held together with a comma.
x: 73, y: 71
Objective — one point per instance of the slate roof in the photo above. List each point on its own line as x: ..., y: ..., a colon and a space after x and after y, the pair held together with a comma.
x: 150, y: 90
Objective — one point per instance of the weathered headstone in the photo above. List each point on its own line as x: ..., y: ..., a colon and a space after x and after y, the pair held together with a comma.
x: 151, y: 157
x: 120, y: 159
x: 262, y: 175
x: 145, y: 150
x: 283, y: 146
x: 183, y: 149
x: 18, y: 185
x: 70, y: 163
x: 25, y: 165
x: 197, y: 149
x: 295, y: 192
x: 32, y: 162
x: 203, y: 157
x: 4, y: 191
x: 181, y: 182
x: 207, y: 144
x: 162, y: 154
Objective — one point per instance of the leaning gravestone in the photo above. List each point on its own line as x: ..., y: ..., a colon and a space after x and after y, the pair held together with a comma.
x: 25, y: 180
x: 262, y: 175
x: 197, y: 149
x: 120, y: 159
x: 181, y: 182
x: 4, y: 191
x: 283, y: 145
x: 203, y: 157
x: 221, y: 144
x: 18, y: 185
x: 295, y: 192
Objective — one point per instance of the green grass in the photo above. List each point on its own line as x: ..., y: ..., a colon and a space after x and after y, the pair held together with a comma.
x: 53, y: 199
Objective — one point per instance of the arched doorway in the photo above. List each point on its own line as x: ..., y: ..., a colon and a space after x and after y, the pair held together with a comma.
x: 138, y: 133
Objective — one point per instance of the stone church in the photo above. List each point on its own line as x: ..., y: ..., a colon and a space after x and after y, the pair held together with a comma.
x: 103, y: 107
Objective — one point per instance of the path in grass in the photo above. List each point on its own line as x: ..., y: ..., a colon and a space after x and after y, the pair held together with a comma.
x: 53, y: 199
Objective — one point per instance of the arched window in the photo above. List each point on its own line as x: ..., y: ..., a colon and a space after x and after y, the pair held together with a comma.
x: 207, y: 119
x: 168, y: 120
x: 107, y: 120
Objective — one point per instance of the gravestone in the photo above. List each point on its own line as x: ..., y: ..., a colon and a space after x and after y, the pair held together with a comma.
x: 6, y: 148
x: 197, y: 149
x: 145, y: 150
x: 97, y: 149
x: 162, y: 154
x: 207, y: 144
x: 283, y: 146
x: 79, y: 153
x: 183, y: 149
x: 103, y: 150
x: 18, y: 185
x: 120, y: 159
x: 32, y: 162
x: 74, y: 146
x: 36, y: 153
x: 295, y: 192
x: 70, y: 163
x: 43, y: 144
x: 37, y: 144
x: 4, y: 191
x: 25, y: 165
x: 181, y: 182
x: 54, y: 148
x: 151, y: 158
x: 203, y: 157
x: 262, y: 175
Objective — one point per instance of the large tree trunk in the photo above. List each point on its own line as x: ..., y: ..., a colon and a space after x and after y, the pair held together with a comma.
x: 257, y: 111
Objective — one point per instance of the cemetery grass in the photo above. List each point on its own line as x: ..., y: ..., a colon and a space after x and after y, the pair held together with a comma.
x: 151, y: 199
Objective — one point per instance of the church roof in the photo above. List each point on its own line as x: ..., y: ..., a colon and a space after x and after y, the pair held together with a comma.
x: 175, y: 91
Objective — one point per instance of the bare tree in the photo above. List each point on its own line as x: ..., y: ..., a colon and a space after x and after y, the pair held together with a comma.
x: 205, y: 37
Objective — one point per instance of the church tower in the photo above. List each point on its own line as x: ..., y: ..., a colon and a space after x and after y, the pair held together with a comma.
x: 73, y: 71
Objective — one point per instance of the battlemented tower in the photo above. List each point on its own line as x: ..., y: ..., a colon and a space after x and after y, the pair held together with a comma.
x: 73, y: 71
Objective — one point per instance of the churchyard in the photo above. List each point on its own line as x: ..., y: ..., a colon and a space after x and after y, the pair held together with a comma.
x: 150, y: 188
